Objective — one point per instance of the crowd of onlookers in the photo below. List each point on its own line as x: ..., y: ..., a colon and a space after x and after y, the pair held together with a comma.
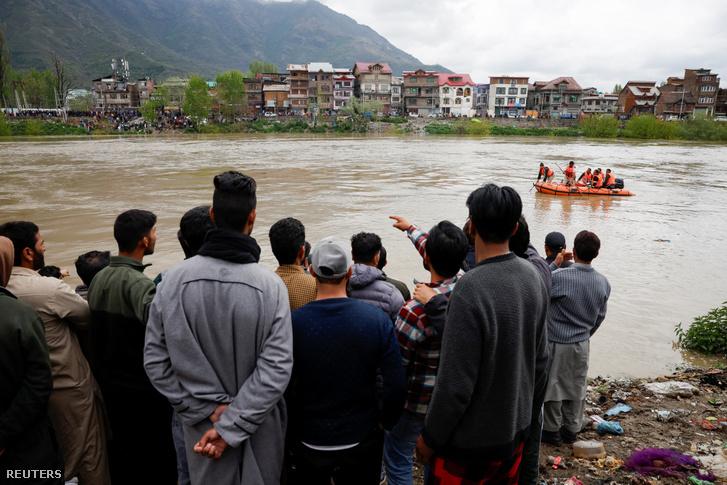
x: 327, y: 370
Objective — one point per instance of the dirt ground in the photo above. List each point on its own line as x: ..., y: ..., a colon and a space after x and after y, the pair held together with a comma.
x: 681, y: 425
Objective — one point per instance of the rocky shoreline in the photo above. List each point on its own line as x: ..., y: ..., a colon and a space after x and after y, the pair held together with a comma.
x: 689, y: 417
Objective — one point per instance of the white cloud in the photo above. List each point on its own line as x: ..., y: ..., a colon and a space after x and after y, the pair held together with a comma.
x: 598, y: 43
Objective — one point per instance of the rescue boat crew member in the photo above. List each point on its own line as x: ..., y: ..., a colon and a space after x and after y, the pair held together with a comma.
x: 610, y: 180
x: 570, y: 174
x: 597, y: 179
x: 546, y: 172
x: 586, y: 177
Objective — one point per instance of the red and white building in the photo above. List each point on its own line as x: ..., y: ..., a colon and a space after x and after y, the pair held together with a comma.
x: 343, y: 86
x: 456, y: 95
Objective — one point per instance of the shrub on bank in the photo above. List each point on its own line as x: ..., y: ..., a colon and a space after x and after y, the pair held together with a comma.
x: 603, y: 126
x: 648, y: 127
x: 394, y: 119
x: 460, y: 127
x: 706, y: 334
x: 40, y: 128
x: 703, y: 128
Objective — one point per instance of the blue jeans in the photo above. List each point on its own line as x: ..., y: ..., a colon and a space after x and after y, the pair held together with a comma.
x: 179, y: 446
x: 399, y: 446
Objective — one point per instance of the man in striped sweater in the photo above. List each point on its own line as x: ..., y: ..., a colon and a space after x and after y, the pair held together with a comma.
x: 578, y: 301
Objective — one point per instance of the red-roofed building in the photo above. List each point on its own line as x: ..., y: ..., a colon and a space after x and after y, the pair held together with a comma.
x: 559, y: 98
x: 373, y: 83
x: 456, y: 94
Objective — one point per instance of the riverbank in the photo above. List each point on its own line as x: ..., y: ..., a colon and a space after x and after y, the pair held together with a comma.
x: 597, y: 128
x: 685, y: 418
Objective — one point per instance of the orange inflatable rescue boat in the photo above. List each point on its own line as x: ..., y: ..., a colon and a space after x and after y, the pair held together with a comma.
x: 550, y: 188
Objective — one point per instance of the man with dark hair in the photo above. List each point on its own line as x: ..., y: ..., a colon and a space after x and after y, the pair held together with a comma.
x: 219, y: 347
x: 546, y: 173
x: 119, y: 297
x: 75, y: 406
x: 336, y: 421
x: 420, y: 345
x: 26, y: 435
x: 400, y: 285
x: 493, y: 365
x: 570, y: 174
x: 367, y: 282
x: 193, y: 227
x: 287, y: 239
x: 554, y: 247
x: 578, y: 302
x: 87, y: 266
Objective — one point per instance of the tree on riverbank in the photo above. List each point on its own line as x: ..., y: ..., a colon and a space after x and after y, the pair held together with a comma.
x: 4, y: 71
x: 603, y: 126
x: 151, y: 109
x: 231, y: 93
x: 197, y: 101
x: 261, y: 67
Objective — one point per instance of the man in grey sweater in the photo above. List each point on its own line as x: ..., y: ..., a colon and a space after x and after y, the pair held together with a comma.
x: 578, y: 300
x: 219, y: 347
x: 492, y: 371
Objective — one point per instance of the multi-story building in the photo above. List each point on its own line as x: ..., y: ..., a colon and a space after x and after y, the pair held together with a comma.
x: 704, y: 86
x: 254, y: 90
x: 421, y: 92
x: 508, y: 96
x: 275, y: 97
x: 721, y: 107
x: 397, y: 95
x: 482, y: 95
x: 343, y: 86
x: 559, y: 98
x: 373, y: 83
x: 320, y: 86
x: 298, y: 81
x: 598, y: 104
x: 637, y: 98
x: 675, y: 101
x: 113, y: 93
x: 456, y: 94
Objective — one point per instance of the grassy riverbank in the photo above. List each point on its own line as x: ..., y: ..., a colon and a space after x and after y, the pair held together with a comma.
x: 603, y: 127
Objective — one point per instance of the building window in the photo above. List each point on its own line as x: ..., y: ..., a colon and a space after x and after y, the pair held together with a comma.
x: 467, y: 92
x: 556, y: 99
x: 458, y: 101
x: 445, y: 101
x: 523, y: 91
x: 445, y: 90
x: 573, y: 98
x: 512, y: 91
x: 429, y: 101
x: 500, y: 91
x: 510, y: 101
x: 523, y: 101
x: 412, y: 91
x: 499, y: 101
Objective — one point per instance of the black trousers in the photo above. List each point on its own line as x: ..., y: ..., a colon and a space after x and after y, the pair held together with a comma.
x: 360, y: 465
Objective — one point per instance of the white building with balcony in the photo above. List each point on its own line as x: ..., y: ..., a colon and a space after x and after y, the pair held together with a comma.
x: 508, y: 96
x: 457, y: 95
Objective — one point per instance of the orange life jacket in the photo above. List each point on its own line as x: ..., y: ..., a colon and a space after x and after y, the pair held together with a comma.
x: 570, y: 172
x: 586, y: 177
x: 550, y: 172
x: 611, y: 180
x: 597, y: 180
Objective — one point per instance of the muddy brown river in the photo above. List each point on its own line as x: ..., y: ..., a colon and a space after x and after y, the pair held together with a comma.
x: 662, y: 250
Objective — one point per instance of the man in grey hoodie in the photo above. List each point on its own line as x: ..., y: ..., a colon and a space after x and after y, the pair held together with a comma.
x: 219, y: 347
x: 368, y: 283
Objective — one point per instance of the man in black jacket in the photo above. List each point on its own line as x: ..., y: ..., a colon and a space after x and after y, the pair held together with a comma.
x: 28, y: 448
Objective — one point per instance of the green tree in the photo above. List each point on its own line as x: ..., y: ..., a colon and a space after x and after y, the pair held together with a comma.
x: 4, y: 71
x: 231, y: 93
x: 4, y: 127
x: 39, y: 89
x: 617, y: 89
x: 197, y: 101
x: 157, y: 101
x: 260, y: 67
x: 81, y: 103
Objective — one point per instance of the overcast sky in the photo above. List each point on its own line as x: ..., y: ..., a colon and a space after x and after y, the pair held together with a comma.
x: 599, y: 43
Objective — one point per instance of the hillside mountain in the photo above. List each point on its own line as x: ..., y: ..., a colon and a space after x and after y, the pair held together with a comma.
x: 161, y: 38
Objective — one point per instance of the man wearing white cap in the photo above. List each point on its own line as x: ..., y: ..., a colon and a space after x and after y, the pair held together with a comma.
x: 338, y: 344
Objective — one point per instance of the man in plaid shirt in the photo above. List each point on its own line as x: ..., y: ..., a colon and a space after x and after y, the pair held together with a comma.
x: 443, y: 250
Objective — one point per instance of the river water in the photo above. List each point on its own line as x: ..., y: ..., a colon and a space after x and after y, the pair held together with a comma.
x: 662, y: 250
